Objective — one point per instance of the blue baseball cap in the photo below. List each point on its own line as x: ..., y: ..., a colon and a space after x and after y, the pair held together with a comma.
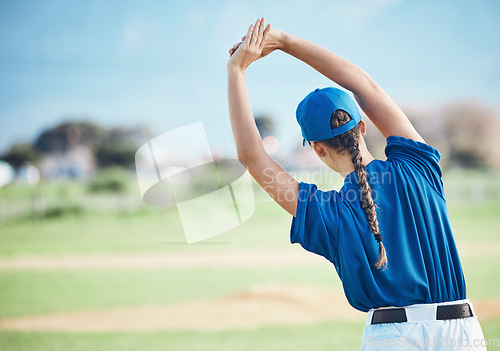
x: 315, y: 111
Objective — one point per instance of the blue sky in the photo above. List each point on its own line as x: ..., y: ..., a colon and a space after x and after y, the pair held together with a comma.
x: 163, y: 63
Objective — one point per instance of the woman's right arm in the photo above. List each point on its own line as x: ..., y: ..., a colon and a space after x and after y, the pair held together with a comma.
x: 372, y: 99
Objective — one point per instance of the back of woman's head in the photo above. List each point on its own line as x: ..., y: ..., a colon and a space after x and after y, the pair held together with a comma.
x: 349, y: 142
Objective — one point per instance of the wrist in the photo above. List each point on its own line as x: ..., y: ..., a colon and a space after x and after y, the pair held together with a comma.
x: 283, y: 39
x: 234, y: 69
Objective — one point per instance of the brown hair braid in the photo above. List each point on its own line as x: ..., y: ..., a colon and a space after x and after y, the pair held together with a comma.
x: 349, y: 141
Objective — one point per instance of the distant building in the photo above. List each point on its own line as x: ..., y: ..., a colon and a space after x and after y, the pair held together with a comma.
x: 76, y: 162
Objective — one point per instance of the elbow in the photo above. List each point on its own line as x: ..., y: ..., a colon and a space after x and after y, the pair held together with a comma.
x: 365, y: 85
x: 368, y: 81
x: 244, y: 157
x: 250, y: 157
x: 366, y: 78
x: 360, y: 82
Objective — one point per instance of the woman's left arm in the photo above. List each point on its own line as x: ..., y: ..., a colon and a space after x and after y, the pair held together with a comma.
x: 267, y: 172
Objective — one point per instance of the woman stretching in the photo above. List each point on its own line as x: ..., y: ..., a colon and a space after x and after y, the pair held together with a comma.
x: 387, y: 231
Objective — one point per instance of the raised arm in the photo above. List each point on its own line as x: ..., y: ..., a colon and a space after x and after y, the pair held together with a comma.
x: 372, y: 99
x: 267, y: 172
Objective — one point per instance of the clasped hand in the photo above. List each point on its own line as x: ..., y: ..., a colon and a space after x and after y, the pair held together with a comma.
x: 259, y: 42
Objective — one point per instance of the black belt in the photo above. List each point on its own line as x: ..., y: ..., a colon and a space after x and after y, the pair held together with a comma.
x: 398, y: 315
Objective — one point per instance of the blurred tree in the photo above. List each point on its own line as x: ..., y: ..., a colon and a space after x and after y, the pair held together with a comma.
x: 119, y: 146
x: 115, y: 154
x: 265, y: 125
x: 63, y: 136
x: 115, y: 147
x: 464, y: 132
x: 21, y: 153
x: 470, y: 131
x: 431, y: 125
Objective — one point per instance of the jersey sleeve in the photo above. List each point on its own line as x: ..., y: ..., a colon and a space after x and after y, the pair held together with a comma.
x: 420, y: 157
x: 316, y: 222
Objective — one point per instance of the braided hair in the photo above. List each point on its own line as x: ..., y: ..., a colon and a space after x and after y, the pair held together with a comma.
x: 349, y: 141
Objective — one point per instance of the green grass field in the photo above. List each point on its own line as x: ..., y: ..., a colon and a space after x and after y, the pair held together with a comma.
x: 136, y: 228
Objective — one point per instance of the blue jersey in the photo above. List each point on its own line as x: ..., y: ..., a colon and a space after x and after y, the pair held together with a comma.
x: 423, y: 262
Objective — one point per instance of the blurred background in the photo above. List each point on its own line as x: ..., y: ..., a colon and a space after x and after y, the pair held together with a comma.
x: 86, y: 265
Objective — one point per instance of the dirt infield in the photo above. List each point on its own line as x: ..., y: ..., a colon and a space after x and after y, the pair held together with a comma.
x: 260, y: 306
x: 238, y: 258
x: 210, y: 259
x: 486, y: 309
x: 264, y: 305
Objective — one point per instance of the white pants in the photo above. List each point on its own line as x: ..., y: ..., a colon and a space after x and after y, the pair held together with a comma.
x: 423, y: 332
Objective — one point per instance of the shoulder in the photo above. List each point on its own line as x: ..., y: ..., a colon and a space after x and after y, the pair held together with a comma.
x: 309, y: 193
x: 416, y: 159
x: 397, y: 145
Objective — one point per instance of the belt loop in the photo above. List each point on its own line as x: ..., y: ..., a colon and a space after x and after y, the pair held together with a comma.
x: 369, y: 316
x: 471, y: 307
